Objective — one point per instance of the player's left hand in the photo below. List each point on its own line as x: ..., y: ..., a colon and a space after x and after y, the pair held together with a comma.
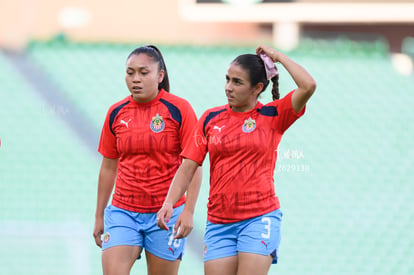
x: 184, y: 225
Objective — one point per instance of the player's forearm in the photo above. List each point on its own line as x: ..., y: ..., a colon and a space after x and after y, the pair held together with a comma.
x: 106, y: 181
x: 302, y: 78
x: 181, y: 181
x: 193, y: 191
x: 104, y: 193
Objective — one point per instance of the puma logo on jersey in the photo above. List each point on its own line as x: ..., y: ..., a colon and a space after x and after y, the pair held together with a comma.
x: 218, y: 128
x: 125, y: 122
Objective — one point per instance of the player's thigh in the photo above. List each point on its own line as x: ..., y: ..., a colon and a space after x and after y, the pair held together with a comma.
x: 221, y: 266
x: 119, y: 259
x: 160, y: 242
x: 121, y: 228
x: 220, y: 241
x: 261, y: 235
x: 250, y: 263
x: 159, y: 266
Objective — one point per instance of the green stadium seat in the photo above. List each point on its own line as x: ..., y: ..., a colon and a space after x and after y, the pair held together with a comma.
x: 343, y: 176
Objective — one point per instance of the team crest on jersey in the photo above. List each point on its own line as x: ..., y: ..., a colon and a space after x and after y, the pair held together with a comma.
x: 157, y: 124
x: 249, y: 125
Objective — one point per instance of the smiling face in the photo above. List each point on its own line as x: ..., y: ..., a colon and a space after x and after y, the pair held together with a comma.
x: 142, y: 77
x: 241, y: 95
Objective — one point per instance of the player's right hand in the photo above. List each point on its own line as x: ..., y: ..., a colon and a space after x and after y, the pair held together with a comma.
x: 164, y: 215
x: 98, y: 231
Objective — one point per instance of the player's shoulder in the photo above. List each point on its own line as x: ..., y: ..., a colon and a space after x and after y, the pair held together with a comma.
x: 216, y: 109
x: 283, y: 100
x: 213, y: 112
x: 119, y: 104
x: 278, y: 104
x: 175, y: 99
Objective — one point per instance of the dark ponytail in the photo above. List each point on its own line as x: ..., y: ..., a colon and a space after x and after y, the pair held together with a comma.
x: 255, y: 68
x: 275, y: 88
x: 155, y: 53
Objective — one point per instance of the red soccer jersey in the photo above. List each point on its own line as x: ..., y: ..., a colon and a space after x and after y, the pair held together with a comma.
x: 242, y: 149
x: 148, y: 139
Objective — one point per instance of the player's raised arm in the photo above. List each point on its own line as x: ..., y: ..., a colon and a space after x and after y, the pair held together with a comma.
x: 305, y: 82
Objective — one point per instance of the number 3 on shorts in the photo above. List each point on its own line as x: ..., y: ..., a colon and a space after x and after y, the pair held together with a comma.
x: 267, y: 222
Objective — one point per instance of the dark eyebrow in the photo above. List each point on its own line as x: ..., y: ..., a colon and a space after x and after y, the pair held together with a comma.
x: 234, y: 78
x: 237, y: 79
x: 139, y: 68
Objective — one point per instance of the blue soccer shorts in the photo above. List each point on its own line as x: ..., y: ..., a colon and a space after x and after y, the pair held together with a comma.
x: 258, y: 235
x: 123, y: 227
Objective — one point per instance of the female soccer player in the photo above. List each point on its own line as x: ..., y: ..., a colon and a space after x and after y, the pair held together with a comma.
x: 141, y: 141
x: 243, y: 228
